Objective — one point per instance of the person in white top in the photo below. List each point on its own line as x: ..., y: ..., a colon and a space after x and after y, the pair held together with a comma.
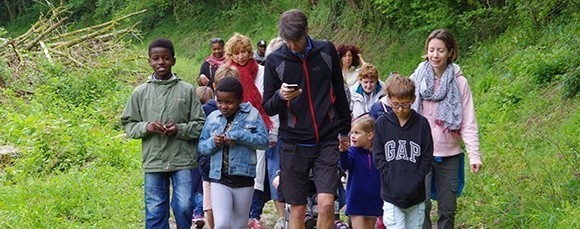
x: 366, y: 91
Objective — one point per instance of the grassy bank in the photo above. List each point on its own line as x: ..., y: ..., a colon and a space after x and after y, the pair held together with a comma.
x: 73, y: 169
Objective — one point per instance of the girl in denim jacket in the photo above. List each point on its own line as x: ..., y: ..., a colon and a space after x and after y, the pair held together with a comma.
x: 231, y: 137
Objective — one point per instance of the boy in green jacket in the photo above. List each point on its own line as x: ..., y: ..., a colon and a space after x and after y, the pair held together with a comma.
x: 166, y: 115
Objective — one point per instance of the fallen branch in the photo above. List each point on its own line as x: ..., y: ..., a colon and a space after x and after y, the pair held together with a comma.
x: 75, y: 41
x: 96, y: 27
x: 48, y: 39
x: 39, y: 37
x: 69, y: 57
x: 45, y: 50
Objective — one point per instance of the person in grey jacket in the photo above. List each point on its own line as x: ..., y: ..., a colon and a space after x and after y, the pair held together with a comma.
x: 166, y: 115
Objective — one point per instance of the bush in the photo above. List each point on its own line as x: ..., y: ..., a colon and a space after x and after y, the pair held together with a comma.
x: 70, y: 122
x: 570, y: 83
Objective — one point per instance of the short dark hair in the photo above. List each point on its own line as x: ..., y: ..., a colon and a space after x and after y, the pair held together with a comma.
x: 162, y: 43
x: 343, y: 48
x: 293, y: 25
x: 231, y: 84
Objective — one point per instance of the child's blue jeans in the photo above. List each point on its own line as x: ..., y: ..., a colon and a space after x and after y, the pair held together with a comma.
x: 198, y: 204
x: 157, y: 198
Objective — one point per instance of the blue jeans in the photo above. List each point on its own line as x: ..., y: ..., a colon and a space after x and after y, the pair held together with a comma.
x: 257, y: 207
x: 198, y: 204
x: 157, y: 198
x: 272, y: 167
x: 197, y: 193
x: 260, y: 198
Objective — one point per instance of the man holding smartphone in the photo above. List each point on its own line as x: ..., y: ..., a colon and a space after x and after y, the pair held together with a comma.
x: 303, y: 84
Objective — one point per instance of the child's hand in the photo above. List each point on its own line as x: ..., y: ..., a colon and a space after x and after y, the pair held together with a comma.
x: 219, y: 140
x: 155, y: 127
x: 170, y: 129
x: 343, y: 146
x: 276, y: 182
x: 230, y: 142
x: 343, y: 143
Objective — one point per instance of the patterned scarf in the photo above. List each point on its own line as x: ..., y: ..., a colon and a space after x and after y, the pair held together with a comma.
x: 251, y: 94
x: 215, y: 62
x: 449, y: 109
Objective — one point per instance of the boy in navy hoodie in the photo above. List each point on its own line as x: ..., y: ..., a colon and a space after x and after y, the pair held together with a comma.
x: 403, y: 151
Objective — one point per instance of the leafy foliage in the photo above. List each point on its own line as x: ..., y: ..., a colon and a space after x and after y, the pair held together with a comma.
x: 520, y: 58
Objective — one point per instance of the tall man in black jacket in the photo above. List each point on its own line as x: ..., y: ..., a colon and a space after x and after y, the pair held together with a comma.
x: 303, y: 84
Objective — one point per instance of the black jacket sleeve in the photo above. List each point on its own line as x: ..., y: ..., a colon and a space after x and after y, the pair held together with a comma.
x: 341, y: 105
x: 379, y: 144
x: 204, y: 69
x: 272, y: 103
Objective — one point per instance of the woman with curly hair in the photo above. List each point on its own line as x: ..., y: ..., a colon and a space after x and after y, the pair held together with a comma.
x: 350, y: 61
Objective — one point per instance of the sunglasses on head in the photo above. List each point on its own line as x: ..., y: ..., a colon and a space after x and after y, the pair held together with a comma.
x: 216, y: 40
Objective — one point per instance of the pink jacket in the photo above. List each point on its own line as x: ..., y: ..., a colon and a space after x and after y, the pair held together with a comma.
x: 445, y: 143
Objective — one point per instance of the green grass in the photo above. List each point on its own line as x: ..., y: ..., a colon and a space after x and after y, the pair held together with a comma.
x: 97, y: 197
x: 74, y: 171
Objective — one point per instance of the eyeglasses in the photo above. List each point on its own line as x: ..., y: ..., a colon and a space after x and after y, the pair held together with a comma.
x: 401, y: 105
x: 216, y: 40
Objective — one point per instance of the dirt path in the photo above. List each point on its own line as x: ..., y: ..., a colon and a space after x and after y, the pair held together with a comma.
x: 269, y: 217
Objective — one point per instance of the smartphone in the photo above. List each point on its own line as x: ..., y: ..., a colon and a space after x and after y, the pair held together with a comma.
x: 293, y: 86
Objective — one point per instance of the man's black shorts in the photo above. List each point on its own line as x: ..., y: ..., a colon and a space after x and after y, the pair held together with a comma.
x: 296, y: 162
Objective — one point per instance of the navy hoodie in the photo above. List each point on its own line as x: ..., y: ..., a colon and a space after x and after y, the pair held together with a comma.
x: 209, y: 107
x: 403, y: 156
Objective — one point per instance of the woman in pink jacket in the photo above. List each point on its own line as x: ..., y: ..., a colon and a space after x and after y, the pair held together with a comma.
x: 444, y: 98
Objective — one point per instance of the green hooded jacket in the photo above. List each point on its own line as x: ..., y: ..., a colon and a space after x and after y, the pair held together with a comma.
x: 165, y: 100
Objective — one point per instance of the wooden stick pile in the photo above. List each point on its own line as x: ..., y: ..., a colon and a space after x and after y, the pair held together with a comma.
x: 49, y: 38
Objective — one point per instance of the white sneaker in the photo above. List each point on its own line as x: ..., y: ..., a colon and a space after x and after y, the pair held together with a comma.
x: 280, y: 223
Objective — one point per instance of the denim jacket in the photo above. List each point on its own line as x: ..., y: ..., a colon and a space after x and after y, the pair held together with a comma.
x: 249, y: 133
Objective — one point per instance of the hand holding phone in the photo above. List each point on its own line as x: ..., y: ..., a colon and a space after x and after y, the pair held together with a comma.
x: 289, y: 91
x: 293, y: 86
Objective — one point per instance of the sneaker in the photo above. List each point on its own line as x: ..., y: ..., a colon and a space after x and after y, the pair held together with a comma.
x: 198, y: 221
x: 280, y: 223
x: 340, y: 225
x: 380, y: 224
x: 255, y: 224
x: 309, y: 222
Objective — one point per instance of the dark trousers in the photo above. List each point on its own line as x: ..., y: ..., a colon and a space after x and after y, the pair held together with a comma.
x: 447, y: 183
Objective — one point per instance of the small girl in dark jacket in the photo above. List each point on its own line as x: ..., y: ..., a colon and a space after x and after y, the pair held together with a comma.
x: 363, y: 199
